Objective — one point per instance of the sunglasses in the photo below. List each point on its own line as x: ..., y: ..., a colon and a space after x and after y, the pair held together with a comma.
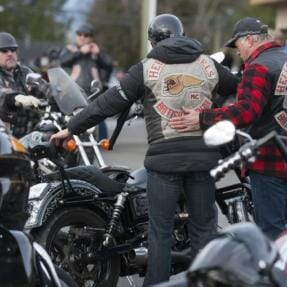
x: 6, y: 50
x: 86, y: 35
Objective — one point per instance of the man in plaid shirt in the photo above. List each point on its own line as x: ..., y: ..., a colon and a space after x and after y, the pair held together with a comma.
x: 260, y: 105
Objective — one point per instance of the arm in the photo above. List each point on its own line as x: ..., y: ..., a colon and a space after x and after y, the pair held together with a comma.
x: 252, y: 96
x: 67, y: 57
x: 111, y: 102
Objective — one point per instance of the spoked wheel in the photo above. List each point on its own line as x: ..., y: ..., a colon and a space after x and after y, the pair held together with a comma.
x: 72, y: 237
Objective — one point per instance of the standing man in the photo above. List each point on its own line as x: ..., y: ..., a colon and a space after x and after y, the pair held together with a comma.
x: 87, y: 62
x: 174, y: 74
x: 261, y: 105
x: 15, y: 101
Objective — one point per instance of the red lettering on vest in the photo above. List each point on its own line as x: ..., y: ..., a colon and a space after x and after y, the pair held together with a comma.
x: 165, y: 111
x: 154, y: 70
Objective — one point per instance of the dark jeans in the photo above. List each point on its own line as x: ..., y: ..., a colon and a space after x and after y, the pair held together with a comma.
x: 270, y: 203
x: 163, y: 193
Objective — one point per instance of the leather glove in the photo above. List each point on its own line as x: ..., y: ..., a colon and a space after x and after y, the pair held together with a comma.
x: 26, y: 101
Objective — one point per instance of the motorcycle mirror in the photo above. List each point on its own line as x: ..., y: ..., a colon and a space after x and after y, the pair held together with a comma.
x: 218, y: 56
x: 32, y: 78
x: 95, y: 89
x: 220, y: 133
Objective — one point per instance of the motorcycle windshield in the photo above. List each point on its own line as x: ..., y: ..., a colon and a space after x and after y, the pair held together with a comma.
x: 68, y: 94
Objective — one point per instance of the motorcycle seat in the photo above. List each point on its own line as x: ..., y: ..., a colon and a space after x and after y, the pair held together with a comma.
x: 92, y: 175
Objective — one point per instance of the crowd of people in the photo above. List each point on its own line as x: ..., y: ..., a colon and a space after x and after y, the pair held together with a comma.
x: 179, y: 86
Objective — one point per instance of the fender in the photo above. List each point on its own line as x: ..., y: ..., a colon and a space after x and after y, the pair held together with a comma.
x: 44, y: 198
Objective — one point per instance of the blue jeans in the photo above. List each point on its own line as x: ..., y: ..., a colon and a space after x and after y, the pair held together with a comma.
x: 270, y: 203
x: 163, y: 192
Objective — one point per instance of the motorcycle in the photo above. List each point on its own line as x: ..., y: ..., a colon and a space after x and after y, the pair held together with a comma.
x: 18, y: 252
x: 95, y: 227
x: 55, y: 113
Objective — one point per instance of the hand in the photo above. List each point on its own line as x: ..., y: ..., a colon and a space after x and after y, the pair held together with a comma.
x: 95, y: 49
x: 59, y: 137
x: 189, y: 121
x: 85, y: 49
x: 26, y: 101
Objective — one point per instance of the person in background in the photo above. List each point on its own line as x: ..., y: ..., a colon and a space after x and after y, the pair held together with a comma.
x: 86, y: 62
x: 261, y: 107
x: 15, y: 98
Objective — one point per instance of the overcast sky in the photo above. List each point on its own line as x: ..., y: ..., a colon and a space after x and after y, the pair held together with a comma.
x: 78, y: 10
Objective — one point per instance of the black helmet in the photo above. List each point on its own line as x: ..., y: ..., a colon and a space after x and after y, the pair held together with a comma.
x: 241, y: 256
x: 15, y: 173
x: 164, y: 26
x: 7, y: 41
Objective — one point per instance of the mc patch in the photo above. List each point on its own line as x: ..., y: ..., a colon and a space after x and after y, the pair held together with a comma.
x: 281, y: 119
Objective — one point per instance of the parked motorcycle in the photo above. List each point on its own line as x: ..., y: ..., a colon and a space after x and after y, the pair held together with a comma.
x: 18, y: 253
x: 95, y: 227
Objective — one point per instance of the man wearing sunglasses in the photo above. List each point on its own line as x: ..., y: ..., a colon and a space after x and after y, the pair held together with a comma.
x: 15, y: 101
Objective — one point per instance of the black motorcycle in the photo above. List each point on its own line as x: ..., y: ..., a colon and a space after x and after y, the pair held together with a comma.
x: 95, y: 227
x: 23, y: 261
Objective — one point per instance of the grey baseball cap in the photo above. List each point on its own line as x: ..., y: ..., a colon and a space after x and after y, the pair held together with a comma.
x: 86, y: 29
x: 244, y: 27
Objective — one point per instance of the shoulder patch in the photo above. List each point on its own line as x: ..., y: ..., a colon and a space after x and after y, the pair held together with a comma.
x: 153, y: 72
x: 281, y: 86
x: 208, y: 68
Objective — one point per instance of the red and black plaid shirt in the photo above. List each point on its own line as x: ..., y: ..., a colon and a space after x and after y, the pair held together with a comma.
x: 253, y: 93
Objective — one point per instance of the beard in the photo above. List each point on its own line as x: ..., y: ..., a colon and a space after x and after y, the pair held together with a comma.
x: 10, y: 64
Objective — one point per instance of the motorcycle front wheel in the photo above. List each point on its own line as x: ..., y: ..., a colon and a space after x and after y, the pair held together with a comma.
x: 70, y: 237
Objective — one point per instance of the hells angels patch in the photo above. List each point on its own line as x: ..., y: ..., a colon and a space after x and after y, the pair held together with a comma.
x: 154, y: 71
x: 208, y: 69
x: 281, y: 87
x: 281, y: 119
x: 173, y: 85
x: 165, y: 111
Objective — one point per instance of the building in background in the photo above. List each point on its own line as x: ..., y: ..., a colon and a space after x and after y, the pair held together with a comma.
x: 281, y: 12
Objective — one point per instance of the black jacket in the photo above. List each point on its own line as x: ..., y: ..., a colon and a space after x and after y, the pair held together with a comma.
x: 179, y: 154
x: 102, y: 62
x: 12, y: 84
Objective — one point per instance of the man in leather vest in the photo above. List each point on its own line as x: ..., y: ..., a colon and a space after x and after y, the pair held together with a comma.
x: 15, y: 101
x: 261, y: 105
x: 175, y: 73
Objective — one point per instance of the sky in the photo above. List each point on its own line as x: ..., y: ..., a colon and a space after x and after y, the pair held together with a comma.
x: 76, y: 12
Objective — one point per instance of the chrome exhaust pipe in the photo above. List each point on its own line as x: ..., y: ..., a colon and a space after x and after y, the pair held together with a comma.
x: 139, y: 257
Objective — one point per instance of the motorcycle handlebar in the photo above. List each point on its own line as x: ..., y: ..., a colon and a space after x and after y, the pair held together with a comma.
x: 245, y: 153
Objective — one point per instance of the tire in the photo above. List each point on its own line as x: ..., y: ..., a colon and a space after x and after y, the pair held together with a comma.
x: 68, y: 236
